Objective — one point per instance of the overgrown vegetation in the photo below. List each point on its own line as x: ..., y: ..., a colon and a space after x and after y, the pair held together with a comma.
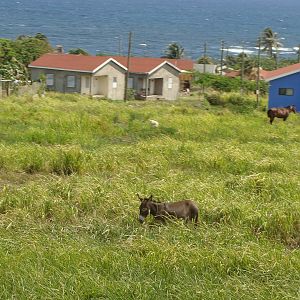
x: 226, y: 84
x: 16, y: 55
x: 250, y: 61
x: 70, y: 170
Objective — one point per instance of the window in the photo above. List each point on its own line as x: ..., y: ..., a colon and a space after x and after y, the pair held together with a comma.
x: 286, y: 92
x: 170, y: 82
x: 70, y: 81
x: 130, y: 83
x: 50, y: 79
x: 115, y: 83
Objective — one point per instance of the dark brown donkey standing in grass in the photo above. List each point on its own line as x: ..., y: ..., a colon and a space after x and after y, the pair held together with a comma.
x: 281, y: 112
x: 185, y: 209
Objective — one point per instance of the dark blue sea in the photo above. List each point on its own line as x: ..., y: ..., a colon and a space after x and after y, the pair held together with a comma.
x: 102, y: 26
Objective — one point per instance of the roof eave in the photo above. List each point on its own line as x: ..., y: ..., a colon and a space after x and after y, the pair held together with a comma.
x: 108, y: 61
x: 162, y: 64
x: 59, y: 69
x: 281, y: 75
x: 82, y: 71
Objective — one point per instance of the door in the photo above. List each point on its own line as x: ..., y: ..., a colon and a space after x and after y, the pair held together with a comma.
x: 158, y: 86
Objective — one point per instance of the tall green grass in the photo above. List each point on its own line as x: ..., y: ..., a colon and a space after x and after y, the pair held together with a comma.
x: 70, y: 168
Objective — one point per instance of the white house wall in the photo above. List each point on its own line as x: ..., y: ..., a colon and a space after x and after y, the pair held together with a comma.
x: 111, y: 71
x: 167, y: 72
x: 86, y: 89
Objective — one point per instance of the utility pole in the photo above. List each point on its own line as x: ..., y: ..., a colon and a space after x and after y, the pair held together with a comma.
x: 128, y: 65
x: 243, y: 69
x: 204, y: 57
x: 258, y: 72
x: 204, y: 66
x: 222, y: 54
x: 120, y: 46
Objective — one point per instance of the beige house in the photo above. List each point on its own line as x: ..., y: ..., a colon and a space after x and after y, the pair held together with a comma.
x: 66, y: 73
x: 104, y: 76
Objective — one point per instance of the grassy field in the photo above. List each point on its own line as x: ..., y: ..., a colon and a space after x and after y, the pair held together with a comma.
x: 70, y: 170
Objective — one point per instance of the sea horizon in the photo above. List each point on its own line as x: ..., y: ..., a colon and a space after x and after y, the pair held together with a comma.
x: 103, y: 26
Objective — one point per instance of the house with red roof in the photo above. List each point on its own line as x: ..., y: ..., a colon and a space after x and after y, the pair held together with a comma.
x: 104, y: 76
x: 250, y: 76
x: 284, y: 86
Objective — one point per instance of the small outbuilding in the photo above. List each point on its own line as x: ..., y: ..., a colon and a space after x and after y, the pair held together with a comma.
x: 284, y: 87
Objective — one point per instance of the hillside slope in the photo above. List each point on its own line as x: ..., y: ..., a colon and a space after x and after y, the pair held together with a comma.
x: 70, y: 170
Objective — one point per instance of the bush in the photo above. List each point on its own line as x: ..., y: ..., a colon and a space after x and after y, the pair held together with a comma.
x: 214, y: 98
x: 226, y: 84
x: 234, y: 101
x: 68, y: 162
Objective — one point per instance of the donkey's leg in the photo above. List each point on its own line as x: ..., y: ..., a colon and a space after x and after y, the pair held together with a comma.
x: 196, y: 219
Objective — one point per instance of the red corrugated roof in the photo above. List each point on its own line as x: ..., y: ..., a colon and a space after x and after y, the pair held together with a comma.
x: 270, y: 75
x: 69, y: 62
x: 236, y: 73
x: 90, y: 63
x: 233, y: 73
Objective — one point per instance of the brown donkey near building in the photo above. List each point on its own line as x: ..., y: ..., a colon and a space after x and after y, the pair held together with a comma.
x: 185, y: 209
x: 281, y: 112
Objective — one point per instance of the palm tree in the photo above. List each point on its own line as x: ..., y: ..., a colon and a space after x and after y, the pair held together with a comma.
x: 270, y: 41
x: 174, y: 50
x: 298, y: 53
x: 205, y: 60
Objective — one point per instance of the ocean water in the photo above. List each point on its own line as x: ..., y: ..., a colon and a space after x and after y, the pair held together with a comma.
x: 103, y: 25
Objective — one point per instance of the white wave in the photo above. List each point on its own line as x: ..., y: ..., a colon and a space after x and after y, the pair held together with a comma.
x: 240, y: 50
x: 284, y: 49
x: 288, y: 52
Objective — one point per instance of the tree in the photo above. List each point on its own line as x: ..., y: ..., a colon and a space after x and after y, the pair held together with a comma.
x: 174, y: 50
x: 78, y: 51
x: 29, y: 49
x: 16, y: 55
x: 246, y: 62
x: 13, y: 70
x: 41, y: 36
x: 205, y: 60
x: 7, y: 51
x: 298, y: 53
x: 270, y: 41
x: 10, y: 67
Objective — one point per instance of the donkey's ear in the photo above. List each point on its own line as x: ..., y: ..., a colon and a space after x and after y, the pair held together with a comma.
x: 140, y: 198
x: 151, y: 197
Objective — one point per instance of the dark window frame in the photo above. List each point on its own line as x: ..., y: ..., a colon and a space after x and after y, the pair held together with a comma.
x: 284, y: 92
x: 71, y: 84
x: 48, y: 79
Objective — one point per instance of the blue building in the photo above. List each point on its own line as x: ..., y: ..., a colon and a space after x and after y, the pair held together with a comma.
x: 284, y: 87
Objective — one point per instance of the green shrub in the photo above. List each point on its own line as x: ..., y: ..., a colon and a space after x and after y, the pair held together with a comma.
x: 68, y: 162
x: 239, y: 103
x: 227, y: 84
x: 214, y: 98
x: 234, y: 101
